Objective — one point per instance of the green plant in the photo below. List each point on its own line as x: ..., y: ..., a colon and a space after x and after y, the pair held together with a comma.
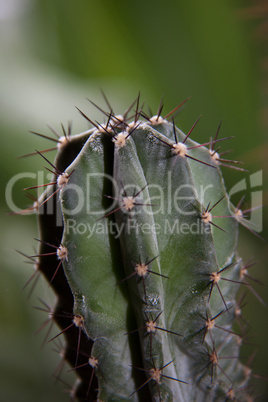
x: 138, y: 239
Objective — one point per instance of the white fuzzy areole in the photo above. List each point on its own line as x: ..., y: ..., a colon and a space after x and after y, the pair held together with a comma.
x: 206, y: 217
x: 215, y: 277
x: 117, y: 120
x: 103, y: 129
x: 243, y: 272
x: 63, y: 180
x: 120, y: 140
x: 141, y: 269
x: 62, y: 142
x: 210, y: 324
x: 128, y: 203
x: 155, y: 374
x: 238, y: 214
x: 214, y: 358
x: 179, y: 149
x: 132, y: 125
x: 93, y: 361
x: 151, y: 326
x: 157, y: 120
x: 62, y: 253
x: 78, y: 321
x: 214, y: 156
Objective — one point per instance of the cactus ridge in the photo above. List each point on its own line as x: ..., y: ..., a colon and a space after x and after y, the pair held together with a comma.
x: 146, y: 271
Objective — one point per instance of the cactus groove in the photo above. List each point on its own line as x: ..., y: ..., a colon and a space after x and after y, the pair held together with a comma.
x: 138, y: 240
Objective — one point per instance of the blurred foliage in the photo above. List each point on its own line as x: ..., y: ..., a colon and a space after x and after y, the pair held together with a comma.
x: 54, y: 54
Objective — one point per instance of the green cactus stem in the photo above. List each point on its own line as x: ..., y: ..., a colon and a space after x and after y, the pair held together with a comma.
x: 138, y: 239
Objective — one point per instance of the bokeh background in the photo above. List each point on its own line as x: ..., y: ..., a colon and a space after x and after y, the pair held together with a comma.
x: 54, y: 54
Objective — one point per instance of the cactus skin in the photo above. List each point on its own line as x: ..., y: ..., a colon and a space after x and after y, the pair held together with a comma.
x: 148, y: 310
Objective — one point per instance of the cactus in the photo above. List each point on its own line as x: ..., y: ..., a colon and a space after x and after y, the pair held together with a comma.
x: 138, y: 240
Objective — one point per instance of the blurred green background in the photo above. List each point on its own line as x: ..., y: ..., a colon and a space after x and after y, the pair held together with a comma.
x: 54, y: 54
